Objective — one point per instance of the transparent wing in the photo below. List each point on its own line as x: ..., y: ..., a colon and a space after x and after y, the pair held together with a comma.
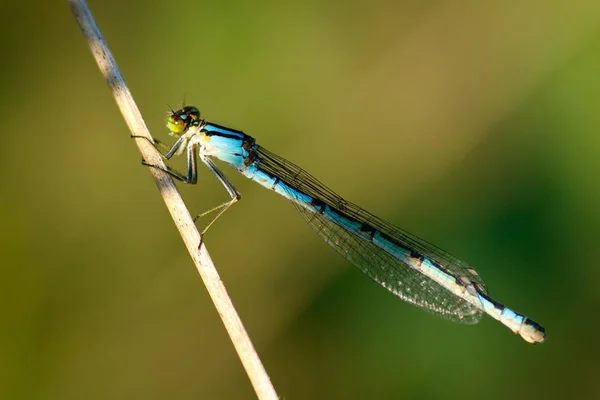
x: 383, y: 267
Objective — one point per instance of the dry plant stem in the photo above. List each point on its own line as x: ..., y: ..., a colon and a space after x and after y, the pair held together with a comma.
x: 252, y: 364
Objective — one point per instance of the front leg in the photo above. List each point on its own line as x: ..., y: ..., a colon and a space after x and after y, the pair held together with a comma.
x: 177, y: 148
x: 192, y: 174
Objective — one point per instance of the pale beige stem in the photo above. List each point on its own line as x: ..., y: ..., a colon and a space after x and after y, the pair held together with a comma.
x: 181, y: 216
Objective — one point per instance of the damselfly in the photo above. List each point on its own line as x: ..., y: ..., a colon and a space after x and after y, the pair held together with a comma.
x: 411, y: 268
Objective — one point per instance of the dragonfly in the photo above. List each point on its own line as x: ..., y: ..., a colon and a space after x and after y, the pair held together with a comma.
x: 409, y: 267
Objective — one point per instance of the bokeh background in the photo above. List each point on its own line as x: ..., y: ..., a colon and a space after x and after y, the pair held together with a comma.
x: 473, y: 124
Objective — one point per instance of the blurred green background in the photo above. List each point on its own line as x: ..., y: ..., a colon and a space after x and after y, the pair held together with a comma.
x: 472, y: 124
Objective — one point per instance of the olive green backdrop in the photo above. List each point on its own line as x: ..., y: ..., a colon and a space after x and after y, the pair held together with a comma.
x: 475, y: 125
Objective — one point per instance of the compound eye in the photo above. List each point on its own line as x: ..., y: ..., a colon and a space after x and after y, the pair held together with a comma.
x: 178, y: 122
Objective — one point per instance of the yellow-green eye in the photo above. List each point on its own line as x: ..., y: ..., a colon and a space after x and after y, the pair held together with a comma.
x: 176, y: 124
x: 180, y: 120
